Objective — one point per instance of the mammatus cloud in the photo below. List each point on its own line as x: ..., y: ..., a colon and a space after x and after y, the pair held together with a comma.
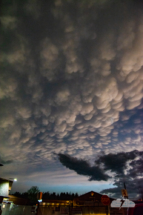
x: 126, y: 166
x: 71, y: 79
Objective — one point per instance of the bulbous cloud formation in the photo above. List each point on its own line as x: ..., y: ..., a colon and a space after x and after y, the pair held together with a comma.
x: 71, y: 79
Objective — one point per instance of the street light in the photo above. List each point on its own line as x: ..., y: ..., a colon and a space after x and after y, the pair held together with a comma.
x: 14, y: 179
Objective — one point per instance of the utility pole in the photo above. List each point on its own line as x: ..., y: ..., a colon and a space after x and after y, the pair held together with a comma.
x: 124, y: 192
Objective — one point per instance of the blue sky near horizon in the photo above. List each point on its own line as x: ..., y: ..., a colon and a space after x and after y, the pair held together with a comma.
x: 80, y: 189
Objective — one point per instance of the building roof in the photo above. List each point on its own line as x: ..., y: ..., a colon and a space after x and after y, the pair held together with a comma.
x: 5, y: 180
x: 90, y: 195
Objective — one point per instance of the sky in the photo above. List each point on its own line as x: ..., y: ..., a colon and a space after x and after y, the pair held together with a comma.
x: 71, y: 95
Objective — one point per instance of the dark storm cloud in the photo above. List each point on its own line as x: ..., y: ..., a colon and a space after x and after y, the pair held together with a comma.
x: 82, y: 167
x: 130, y: 173
x: 116, y: 162
x: 134, y: 188
x: 71, y: 79
x: 127, y: 168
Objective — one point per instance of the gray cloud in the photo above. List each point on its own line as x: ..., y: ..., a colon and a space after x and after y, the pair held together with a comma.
x: 120, y: 168
x: 83, y: 168
x: 116, y: 162
x: 2, y: 161
x: 134, y: 188
x: 128, y: 170
x: 71, y: 79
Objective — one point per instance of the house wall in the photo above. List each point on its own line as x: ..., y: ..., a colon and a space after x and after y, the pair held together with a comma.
x: 49, y: 210
x: 4, y: 188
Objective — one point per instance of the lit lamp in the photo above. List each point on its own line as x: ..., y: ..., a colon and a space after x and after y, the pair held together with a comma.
x: 14, y: 179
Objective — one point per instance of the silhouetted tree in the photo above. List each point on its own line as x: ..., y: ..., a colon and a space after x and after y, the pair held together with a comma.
x: 32, y: 194
x: 17, y: 194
